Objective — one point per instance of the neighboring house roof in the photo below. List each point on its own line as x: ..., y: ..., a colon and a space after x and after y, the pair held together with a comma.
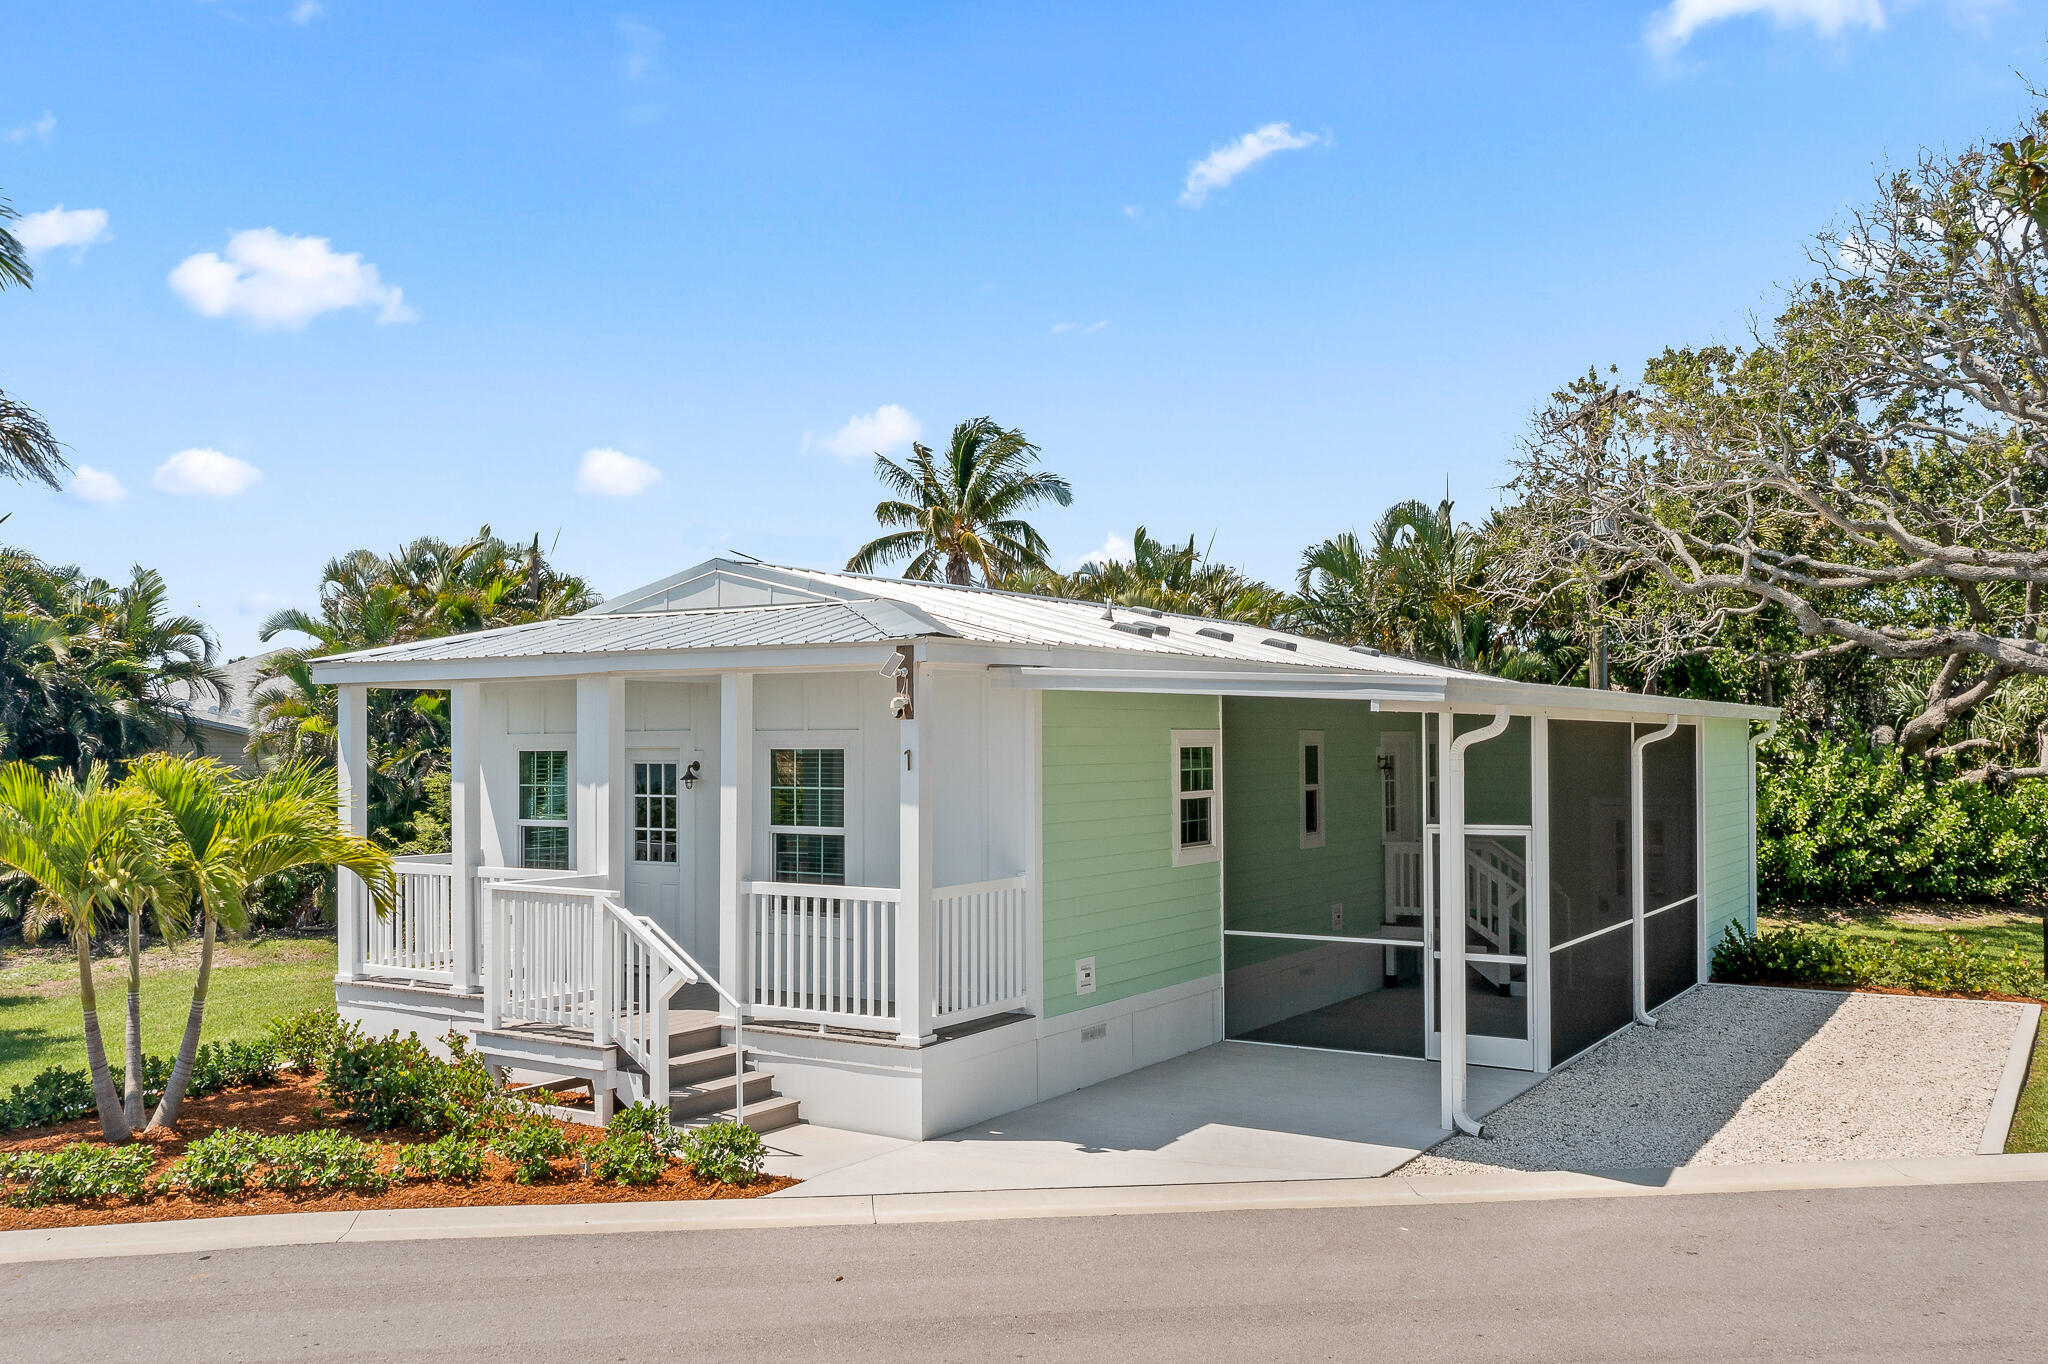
x: 236, y: 711
x: 726, y: 604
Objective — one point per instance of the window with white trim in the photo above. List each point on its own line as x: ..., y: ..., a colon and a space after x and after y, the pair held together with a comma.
x: 544, y: 809
x: 654, y: 812
x: 807, y: 814
x: 1310, y: 771
x: 1197, y: 796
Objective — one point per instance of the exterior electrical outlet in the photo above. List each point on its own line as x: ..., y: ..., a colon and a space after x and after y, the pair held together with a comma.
x: 1084, y: 976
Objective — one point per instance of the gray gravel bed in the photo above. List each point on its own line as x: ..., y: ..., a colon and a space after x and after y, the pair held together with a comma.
x: 1736, y: 1075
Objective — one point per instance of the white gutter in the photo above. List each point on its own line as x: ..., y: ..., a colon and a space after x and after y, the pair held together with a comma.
x: 1636, y: 879
x: 1451, y: 922
x: 1756, y: 741
x: 1212, y: 682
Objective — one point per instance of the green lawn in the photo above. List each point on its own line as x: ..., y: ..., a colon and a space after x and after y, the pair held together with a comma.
x: 253, y: 982
x: 2030, y: 1118
x: 1988, y: 930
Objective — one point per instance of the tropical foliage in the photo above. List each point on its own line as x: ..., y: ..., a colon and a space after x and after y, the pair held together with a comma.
x: 91, y: 672
x: 429, y: 588
x: 960, y: 514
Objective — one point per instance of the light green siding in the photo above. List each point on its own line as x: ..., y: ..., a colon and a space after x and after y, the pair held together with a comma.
x: 1726, y: 845
x: 1274, y: 884
x: 1111, y: 889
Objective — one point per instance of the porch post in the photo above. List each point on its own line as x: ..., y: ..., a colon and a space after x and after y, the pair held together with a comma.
x: 465, y: 831
x: 916, y: 950
x: 1536, y: 892
x: 735, y: 831
x: 352, y: 780
x: 600, y: 778
x: 1450, y: 922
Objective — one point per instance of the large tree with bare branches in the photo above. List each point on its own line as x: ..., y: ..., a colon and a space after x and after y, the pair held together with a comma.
x: 1872, y: 468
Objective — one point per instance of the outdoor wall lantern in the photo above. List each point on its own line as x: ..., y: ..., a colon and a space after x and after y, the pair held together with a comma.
x: 690, y: 775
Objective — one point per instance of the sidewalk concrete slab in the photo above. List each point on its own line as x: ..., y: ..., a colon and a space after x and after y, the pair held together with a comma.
x: 1230, y: 1113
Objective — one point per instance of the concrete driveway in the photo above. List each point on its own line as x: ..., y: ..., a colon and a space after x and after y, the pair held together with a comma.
x: 1230, y: 1113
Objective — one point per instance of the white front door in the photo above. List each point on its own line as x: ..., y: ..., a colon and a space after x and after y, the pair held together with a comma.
x: 660, y: 849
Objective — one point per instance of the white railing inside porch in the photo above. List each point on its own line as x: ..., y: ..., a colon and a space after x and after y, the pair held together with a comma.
x: 568, y: 956
x: 982, y: 950
x: 416, y: 940
x: 827, y: 954
x: 821, y: 954
x: 1404, y: 879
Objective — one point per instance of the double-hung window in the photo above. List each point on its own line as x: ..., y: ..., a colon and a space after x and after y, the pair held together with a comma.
x: 807, y: 814
x: 1197, y: 796
x: 544, y: 809
x: 1312, y: 812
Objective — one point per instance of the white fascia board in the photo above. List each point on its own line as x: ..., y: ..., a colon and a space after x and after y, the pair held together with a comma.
x: 1306, y: 685
x: 436, y: 673
x: 1554, y: 700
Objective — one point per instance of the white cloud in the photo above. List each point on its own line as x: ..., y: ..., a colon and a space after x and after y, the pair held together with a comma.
x: 1116, y: 547
x: 1226, y: 163
x: 614, y: 473
x: 643, y: 48
x: 306, y: 11
x: 270, y: 280
x: 206, y: 473
x: 1673, y: 26
x: 1091, y: 327
x: 38, y: 129
x: 887, y: 428
x: 58, y: 227
x: 96, y: 485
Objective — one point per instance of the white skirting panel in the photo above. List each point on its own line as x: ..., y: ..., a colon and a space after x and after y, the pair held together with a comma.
x: 382, y: 1008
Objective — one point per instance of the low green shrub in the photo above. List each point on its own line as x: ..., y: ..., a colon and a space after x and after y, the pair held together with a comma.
x: 232, y: 1064
x: 54, y: 1095
x: 396, y: 1082
x: 305, y: 1039
x: 453, y: 1159
x: 1797, y: 955
x: 79, y: 1173
x: 636, y: 1147
x: 729, y: 1152
x: 216, y: 1165
x: 531, y: 1146
x: 326, y: 1160
x: 1839, y: 824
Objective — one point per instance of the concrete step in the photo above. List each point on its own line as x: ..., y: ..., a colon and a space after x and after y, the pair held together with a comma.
x: 765, y: 1116
x: 699, y: 1066
x: 712, y: 1095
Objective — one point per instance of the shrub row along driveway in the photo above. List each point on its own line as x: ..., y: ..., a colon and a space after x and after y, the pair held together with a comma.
x: 1735, y: 1075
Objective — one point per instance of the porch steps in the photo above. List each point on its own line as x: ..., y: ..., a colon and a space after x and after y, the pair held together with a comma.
x: 702, y: 1088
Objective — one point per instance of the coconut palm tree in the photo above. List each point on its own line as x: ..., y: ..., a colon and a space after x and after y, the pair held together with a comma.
x: 77, y: 841
x: 224, y: 835
x: 1179, y: 578
x: 958, y: 513
x: 27, y: 449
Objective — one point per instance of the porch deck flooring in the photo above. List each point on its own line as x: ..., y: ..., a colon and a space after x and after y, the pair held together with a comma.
x: 1234, y: 1112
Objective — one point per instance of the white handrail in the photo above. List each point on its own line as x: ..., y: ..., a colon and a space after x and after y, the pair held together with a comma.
x: 690, y: 972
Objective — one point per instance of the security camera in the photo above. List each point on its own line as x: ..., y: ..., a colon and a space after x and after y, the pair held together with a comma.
x: 898, y: 704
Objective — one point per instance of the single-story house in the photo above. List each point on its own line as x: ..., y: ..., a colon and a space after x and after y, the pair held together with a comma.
x: 902, y: 856
x: 221, y: 724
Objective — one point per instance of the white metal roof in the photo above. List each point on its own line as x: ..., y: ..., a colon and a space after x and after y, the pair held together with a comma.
x: 734, y: 607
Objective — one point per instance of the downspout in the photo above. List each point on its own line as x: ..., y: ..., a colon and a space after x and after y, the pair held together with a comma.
x: 1636, y: 880
x: 1757, y: 741
x: 1451, y: 923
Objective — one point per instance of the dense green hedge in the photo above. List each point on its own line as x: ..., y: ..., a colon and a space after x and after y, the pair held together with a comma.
x: 1837, y: 824
x: 1800, y: 956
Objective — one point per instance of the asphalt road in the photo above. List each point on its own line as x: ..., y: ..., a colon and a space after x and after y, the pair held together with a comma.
x: 1918, y: 1273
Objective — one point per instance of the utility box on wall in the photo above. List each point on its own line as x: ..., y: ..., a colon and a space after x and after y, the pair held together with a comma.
x: 1084, y: 975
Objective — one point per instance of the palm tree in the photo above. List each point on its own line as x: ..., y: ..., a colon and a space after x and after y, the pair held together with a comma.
x: 75, y: 840
x: 1417, y: 589
x: 223, y: 836
x: 959, y: 512
x: 27, y: 449
x: 1179, y: 578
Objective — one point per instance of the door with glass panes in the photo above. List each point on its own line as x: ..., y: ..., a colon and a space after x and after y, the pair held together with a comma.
x: 659, y: 850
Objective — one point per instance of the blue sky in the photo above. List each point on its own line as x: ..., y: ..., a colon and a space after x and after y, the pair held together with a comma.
x: 337, y: 274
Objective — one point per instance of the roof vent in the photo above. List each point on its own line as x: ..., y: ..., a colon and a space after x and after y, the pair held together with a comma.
x: 1367, y: 650
x: 1148, y: 611
x: 1134, y: 627
x: 1286, y: 644
x: 1214, y: 633
x: 1162, y: 629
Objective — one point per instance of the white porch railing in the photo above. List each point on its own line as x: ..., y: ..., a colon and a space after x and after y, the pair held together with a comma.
x: 569, y: 956
x: 1404, y: 878
x: 982, y: 950
x: 416, y: 940
x: 1494, y: 878
x: 821, y: 954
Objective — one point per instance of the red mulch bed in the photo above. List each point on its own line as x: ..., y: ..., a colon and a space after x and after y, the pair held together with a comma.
x: 294, y: 1104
